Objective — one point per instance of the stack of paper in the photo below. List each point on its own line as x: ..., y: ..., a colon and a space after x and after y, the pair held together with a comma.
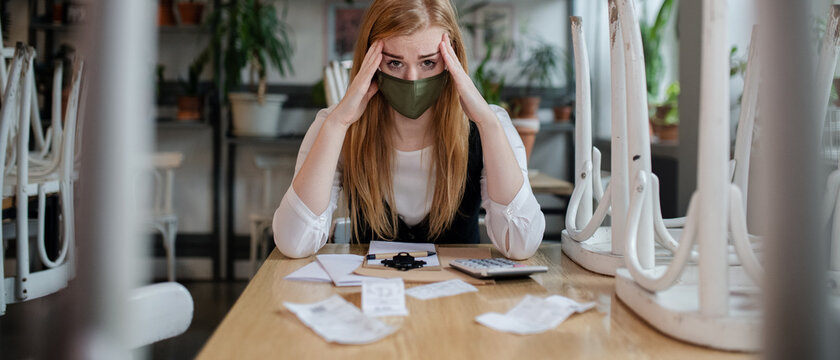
x: 337, y: 268
x: 534, y: 315
x: 337, y: 320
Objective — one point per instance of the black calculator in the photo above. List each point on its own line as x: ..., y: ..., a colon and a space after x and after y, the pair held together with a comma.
x: 495, y: 268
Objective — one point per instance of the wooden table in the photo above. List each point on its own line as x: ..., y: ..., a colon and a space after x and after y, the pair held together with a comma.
x: 544, y: 183
x: 259, y: 327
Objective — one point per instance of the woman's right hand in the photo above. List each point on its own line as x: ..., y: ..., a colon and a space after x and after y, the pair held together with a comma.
x: 361, y: 89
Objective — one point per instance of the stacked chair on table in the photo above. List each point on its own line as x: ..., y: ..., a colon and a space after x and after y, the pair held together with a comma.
x: 48, y: 170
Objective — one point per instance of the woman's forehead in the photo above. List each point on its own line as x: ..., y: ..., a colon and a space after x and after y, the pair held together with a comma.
x: 420, y: 43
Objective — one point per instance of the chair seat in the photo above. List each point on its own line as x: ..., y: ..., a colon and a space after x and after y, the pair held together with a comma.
x: 51, y: 185
x: 167, y: 160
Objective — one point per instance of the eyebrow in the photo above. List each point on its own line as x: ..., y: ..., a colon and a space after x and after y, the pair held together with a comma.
x: 400, y: 57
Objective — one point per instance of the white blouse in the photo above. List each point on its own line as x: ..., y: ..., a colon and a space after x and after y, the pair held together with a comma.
x: 516, y: 229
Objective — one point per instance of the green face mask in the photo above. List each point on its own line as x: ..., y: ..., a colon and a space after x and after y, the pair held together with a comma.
x: 411, y: 98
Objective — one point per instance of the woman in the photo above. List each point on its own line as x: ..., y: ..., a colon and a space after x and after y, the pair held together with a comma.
x: 414, y: 146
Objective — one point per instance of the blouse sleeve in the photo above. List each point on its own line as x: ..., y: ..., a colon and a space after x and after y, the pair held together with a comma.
x: 299, y: 232
x: 516, y: 229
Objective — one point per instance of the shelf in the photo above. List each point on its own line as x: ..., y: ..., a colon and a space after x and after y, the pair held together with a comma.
x: 169, y: 123
x: 183, y: 29
x: 293, y: 140
x: 56, y: 27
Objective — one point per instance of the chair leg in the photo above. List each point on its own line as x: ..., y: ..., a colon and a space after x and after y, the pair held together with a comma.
x: 169, y: 237
x: 2, y: 275
x: 255, y: 235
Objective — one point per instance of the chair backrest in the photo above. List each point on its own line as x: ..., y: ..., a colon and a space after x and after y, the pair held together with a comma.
x: 336, y: 80
x: 165, y: 164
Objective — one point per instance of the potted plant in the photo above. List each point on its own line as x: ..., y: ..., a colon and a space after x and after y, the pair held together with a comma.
x: 652, y: 35
x: 190, y: 12
x: 563, y: 113
x: 189, y: 104
x: 488, y: 82
x: 253, y: 37
x: 166, y: 13
x: 666, y: 118
x: 537, y: 68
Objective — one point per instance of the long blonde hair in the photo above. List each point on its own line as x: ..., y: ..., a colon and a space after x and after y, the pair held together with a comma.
x: 368, y: 151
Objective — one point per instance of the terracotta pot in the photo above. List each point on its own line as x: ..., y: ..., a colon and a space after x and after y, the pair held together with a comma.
x: 189, y: 108
x: 527, y: 130
x: 58, y: 13
x: 527, y: 107
x: 837, y: 86
x: 166, y: 13
x: 667, y: 132
x: 190, y: 13
x: 563, y: 114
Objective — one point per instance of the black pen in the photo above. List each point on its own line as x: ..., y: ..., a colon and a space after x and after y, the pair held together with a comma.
x: 390, y: 255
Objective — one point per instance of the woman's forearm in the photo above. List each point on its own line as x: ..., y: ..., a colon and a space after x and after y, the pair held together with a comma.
x: 504, y: 177
x: 314, y: 180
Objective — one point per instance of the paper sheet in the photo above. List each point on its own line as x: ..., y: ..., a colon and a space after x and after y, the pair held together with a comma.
x: 310, y: 272
x: 384, y: 297
x: 440, y: 289
x: 337, y: 320
x: 382, y: 247
x: 340, y: 268
x: 534, y: 315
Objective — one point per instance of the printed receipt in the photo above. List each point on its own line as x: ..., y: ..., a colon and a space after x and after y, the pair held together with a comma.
x: 337, y: 320
x: 384, y: 297
x: 440, y: 289
x: 534, y: 315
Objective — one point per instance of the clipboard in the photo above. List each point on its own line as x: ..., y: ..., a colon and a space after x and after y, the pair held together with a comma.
x: 445, y: 254
x: 395, y: 247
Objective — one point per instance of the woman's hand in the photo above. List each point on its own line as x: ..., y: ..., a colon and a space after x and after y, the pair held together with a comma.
x: 361, y: 89
x: 471, y: 100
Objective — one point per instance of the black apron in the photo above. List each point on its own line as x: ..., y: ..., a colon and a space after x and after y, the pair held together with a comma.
x: 464, y: 228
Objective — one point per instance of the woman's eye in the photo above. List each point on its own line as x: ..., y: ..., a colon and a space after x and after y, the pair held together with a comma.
x: 394, y: 64
x: 429, y: 64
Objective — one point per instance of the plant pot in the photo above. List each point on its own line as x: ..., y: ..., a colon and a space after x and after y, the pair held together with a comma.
x: 190, y: 13
x: 563, y: 114
x: 250, y: 118
x: 527, y: 129
x: 527, y: 107
x: 166, y: 13
x: 837, y: 86
x: 189, y: 108
x: 668, y: 133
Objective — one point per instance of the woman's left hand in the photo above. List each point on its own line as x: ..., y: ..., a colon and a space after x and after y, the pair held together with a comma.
x: 471, y: 100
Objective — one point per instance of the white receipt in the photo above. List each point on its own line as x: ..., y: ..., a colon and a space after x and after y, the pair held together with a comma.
x: 384, y: 297
x: 534, y: 315
x: 337, y: 320
x: 440, y: 289
x: 382, y: 247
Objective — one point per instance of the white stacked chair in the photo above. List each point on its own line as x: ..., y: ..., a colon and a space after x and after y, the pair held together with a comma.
x: 261, y: 219
x: 336, y: 80
x: 163, y: 217
x: 601, y: 248
x: 48, y: 172
x: 713, y: 303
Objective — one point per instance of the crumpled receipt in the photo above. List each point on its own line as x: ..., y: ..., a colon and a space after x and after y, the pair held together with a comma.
x: 440, y: 289
x: 534, y: 314
x: 339, y: 321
